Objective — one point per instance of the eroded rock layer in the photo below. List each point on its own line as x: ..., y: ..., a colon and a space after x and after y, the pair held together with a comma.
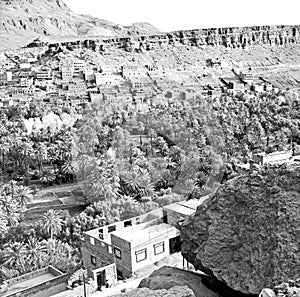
x: 235, y: 37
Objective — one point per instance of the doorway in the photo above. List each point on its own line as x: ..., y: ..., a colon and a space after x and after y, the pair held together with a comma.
x: 101, y: 279
x: 175, y: 244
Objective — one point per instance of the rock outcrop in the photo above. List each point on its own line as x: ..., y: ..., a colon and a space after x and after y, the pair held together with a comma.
x: 287, y: 289
x: 247, y: 234
x: 235, y: 37
x: 22, y: 21
x: 169, y: 277
x: 173, y: 292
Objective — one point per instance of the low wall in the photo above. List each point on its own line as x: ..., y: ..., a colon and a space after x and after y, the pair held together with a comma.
x: 27, y: 276
x: 59, y: 278
x: 77, y: 292
x: 41, y: 287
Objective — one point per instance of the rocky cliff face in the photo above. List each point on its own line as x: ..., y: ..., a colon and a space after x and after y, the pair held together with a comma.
x: 135, y: 38
x: 247, y: 235
x: 21, y: 21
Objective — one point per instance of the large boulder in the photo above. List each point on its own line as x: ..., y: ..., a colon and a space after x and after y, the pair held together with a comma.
x: 170, y: 277
x: 247, y: 234
x: 286, y: 289
x: 172, y: 292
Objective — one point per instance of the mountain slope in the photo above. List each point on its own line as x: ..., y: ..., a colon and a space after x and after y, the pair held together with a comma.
x: 21, y: 21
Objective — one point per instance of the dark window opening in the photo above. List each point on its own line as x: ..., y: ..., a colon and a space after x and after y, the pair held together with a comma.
x: 117, y: 252
x: 165, y: 219
x: 101, y: 234
x: 119, y: 274
x: 127, y: 223
x: 111, y: 228
x: 93, y: 260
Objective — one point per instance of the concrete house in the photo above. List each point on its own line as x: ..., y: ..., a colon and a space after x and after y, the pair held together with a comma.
x: 130, y: 245
x: 118, y: 250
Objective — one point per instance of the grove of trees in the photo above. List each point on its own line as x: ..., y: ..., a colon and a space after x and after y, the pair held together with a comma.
x: 126, y: 162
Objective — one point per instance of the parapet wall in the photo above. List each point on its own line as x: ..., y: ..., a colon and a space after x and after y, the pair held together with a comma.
x: 234, y: 37
x: 59, y: 278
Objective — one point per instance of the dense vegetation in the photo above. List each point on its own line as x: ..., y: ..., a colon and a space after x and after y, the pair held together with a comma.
x: 126, y: 162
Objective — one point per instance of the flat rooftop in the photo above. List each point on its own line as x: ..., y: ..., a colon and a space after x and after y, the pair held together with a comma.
x: 95, y: 233
x: 20, y: 286
x: 147, y: 234
x: 187, y: 207
x: 144, y: 220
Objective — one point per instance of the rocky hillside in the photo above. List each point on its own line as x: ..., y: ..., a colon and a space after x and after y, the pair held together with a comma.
x: 21, y: 21
x: 247, y: 234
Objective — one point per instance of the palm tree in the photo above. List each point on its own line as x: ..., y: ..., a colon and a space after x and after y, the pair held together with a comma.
x: 70, y: 168
x: 14, y: 255
x: 52, y: 223
x: 56, y: 247
x: 41, y: 153
x: 48, y: 177
x: 4, y: 149
x: 118, y: 139
x: 23, y: 195
x: 10, y: 208
x: 34, y: 249
x: 3, y: 223
x: 61, y: 255
x: 132, y: 181
x: 146, y: 188
x: 137, y: 184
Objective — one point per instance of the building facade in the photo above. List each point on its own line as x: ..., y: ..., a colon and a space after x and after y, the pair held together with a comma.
x: 135, y: 243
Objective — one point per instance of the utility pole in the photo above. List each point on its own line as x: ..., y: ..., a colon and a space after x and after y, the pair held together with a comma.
x: 84, y: 287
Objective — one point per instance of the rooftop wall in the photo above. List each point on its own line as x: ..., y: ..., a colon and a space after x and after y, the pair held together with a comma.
x: 103, y: 233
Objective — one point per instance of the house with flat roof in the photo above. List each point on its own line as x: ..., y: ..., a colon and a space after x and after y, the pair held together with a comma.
x: 118, y: 250
x: 273, y: 158
x: 175, y: 213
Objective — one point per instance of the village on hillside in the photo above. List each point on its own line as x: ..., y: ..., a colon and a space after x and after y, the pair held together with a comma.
x: 107, y: 148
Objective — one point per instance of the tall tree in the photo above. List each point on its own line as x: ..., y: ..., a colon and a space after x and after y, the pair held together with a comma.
x: 51, y: 223
x: 14, y: 255
x: 34, y: 250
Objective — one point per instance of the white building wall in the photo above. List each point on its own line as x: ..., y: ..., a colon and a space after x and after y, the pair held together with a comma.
x: 149, y: 245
